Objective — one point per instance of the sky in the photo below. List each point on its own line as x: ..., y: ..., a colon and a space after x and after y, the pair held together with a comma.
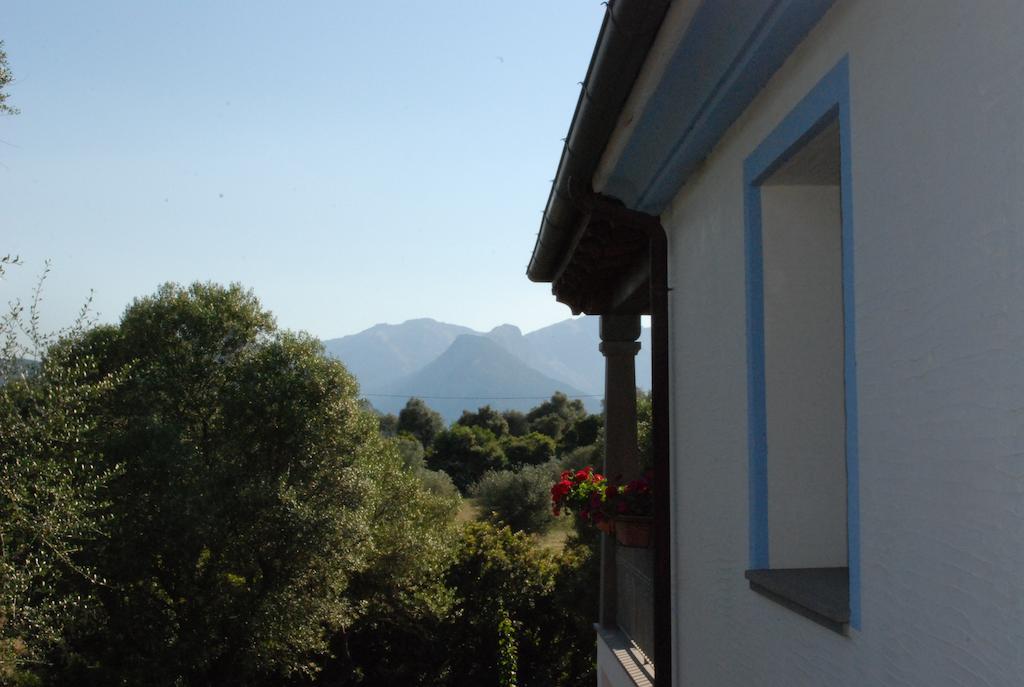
x: 351, y: 162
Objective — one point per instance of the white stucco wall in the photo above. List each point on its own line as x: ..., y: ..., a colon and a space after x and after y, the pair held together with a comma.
x: 937, y: 102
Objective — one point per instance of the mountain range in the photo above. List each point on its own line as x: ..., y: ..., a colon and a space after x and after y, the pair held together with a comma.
x: 453, y: 367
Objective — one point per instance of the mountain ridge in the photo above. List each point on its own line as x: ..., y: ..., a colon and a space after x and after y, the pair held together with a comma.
x: 565, y: 353
x: 473, y: 371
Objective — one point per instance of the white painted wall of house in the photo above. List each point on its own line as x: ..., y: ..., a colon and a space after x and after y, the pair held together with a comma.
x: 937, y: 98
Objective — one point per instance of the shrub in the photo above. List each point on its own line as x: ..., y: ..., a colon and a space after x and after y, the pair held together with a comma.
x: 583, y: 456
x: 549, y: 597
x: 466, y: 453
x: 521, y: 499
x: 532, y: 449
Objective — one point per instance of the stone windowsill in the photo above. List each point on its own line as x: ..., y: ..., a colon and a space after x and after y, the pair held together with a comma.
x: 637, y: 667
x: 819, y: 594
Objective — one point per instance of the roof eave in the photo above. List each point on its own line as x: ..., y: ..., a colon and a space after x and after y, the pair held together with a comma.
x: 626, y: 36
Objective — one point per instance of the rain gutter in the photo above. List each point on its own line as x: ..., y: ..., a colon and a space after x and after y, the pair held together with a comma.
x: 627, y: 34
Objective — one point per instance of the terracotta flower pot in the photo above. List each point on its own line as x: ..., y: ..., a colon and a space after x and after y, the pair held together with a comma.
x: 606, y: 526
x: 634, y: 531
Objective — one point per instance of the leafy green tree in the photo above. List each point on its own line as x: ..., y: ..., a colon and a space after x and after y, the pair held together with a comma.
x: 485, y: 417
x: 581, y: 457
x: 419, y: 420
x: 532, y: 449
x: 466, y: 453
x: 52, y: 485
x: 508, y: 650
x: 402, y: 594
x: 258, y: 513
x: 411, y: 451
x: 521, y: 500
x: 438, y: 482
x: 389, y: 425
x: 549, y: 597
x: 555, y: 416
x: 414, y: 460
x: 585, y: 431
x: 6, y: 77
x: 518, y: 425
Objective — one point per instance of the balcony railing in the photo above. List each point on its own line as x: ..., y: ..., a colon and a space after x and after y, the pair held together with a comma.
x: 634, y: 612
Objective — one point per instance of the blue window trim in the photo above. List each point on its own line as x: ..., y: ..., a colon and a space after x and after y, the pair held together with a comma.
x: 827, y: 101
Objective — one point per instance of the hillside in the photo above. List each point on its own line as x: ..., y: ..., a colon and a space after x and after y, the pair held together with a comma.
x: 386, y: 357
x: 568, y: 350
x: 385, y: 352
x: 472, y: 372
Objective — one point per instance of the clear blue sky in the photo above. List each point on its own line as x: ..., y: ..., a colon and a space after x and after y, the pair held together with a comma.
x: 351, y: 162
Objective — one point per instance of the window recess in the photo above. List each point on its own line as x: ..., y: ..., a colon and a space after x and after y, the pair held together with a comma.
x: 804, y: 549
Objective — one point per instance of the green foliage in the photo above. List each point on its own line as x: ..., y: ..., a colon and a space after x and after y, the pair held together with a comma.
x: 518, y: 425
x: 521, y: 500
x: 411, y: 451
x: 556, y: 416
x: 579, y: 458
x: 258, y: 513
x: 466, y: 453
x: 419, y: 420
x: 508, y: 651
x: 389, y: 425
x: 6, y: 77
x: 193, y: 497
x: 487, y: 418
x: 52, y: 500
x: 413, y: 460
x: 644, y: 410
x: 550, y: 597
x: 401, y: 593
x: 585, y: 431
x: 532, y: 449
x: 439, y: 483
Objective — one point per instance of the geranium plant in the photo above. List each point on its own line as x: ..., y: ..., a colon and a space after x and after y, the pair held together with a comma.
x: 635, y: 498
x: 582, y: 492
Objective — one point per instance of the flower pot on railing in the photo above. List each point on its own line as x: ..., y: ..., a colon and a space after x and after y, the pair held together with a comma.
x: 624, y: 510
x: 582, y: 492
x: 634, y: 531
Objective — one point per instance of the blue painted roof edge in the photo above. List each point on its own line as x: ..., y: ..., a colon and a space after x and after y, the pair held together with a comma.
x: 648, y: 184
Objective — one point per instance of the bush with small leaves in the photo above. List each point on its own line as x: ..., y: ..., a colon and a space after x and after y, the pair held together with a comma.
x: 521, y: 500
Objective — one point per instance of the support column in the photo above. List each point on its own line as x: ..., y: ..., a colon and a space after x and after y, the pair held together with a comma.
x: 619, y: 345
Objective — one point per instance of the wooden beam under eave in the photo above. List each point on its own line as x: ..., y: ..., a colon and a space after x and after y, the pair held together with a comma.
x: 632, y: 292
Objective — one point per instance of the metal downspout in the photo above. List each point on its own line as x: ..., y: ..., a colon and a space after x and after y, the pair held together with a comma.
x: 661, y: 447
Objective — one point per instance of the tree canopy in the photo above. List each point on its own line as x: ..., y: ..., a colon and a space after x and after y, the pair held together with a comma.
x: 487, y: 418
x: 419, y: 420
x: 192, y: 496
x: 248, y: 514
x: 466, y: 453
x: 555, y: 416
x: 52, y: 486
x: 6, y: 77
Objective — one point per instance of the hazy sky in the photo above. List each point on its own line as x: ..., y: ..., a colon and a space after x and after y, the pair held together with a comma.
x: 351, y: 162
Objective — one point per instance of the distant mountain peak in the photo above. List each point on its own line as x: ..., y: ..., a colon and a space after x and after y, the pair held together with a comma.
x: 474, y: 371
x: 506, y: 330
x: 565, y: 354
